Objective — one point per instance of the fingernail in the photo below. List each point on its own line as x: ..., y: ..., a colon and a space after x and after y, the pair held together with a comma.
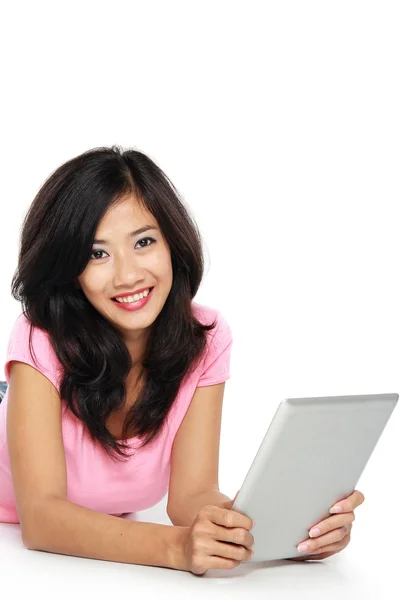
x: 315, y: 531
x: 302, y: 547
x: 336, y: 509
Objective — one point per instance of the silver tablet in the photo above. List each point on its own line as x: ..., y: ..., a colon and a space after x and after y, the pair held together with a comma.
x: 312, y: 456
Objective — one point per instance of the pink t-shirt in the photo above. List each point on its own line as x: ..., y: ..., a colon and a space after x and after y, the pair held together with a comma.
x: 94, y: 480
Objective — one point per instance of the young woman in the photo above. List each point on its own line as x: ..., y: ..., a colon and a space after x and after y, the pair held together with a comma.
x: 115, y: 377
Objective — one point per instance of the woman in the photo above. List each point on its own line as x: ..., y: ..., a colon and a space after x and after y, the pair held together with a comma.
x: 116, y: 377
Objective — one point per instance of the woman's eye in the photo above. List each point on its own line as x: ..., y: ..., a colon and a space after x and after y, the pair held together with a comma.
x: 146, y: 238
x: 142, y: 240
x: 96, y: 252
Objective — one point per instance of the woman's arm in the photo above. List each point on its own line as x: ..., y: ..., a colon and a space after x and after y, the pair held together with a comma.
x: 187, y: 511
x: 49, y: 521
x: 63, y: 527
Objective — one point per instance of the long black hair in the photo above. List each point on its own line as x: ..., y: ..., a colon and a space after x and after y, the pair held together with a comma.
x: 56, y: 243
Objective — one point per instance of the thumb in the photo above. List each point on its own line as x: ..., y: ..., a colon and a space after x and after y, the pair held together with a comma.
x: 229, y: 503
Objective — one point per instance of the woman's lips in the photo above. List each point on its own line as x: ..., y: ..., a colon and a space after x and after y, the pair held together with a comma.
x: 132, y: 306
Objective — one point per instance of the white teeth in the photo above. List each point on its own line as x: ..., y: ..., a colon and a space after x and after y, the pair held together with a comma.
x: 134, y: 298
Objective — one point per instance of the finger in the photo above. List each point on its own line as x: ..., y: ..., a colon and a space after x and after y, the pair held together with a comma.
x: 334, y: 547
x: 231, y: 551
x: 350, y: 503
x: 318, y: 556
x: 216, y: 562
x: 230, y: 503
x: 331, y: 523
x: 303, y: 558
x: 359, y: 498
x: 235, y: 535
x: 227, y: 517
x: 333, y: 537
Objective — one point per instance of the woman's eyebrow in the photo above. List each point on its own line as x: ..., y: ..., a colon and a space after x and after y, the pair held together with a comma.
x: 131, y: 234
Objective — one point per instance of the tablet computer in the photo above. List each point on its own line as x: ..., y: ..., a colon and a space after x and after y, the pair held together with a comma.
x: 311, y: 457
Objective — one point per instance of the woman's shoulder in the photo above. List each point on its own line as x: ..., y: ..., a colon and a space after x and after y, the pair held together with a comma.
x: 216, y: 364
x: 44, y: 357
x: 206, y: 314
x: 21, y: 327
x: 20, y: 332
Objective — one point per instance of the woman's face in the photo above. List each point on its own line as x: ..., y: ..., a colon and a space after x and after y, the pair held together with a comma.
x: 126, y: 263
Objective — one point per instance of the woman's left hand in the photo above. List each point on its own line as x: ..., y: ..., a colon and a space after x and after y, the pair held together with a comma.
x: 335, y: 531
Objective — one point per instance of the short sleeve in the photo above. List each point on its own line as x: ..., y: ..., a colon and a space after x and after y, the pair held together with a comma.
x: 44, y: 358
x: 216, y: 365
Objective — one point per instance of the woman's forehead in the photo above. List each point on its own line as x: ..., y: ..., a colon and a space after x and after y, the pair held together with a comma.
x: 130, y: 212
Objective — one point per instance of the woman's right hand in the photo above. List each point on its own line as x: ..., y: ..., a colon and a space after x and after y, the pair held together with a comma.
x: 218, y: 538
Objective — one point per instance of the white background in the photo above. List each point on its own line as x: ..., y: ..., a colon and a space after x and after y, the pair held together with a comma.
x: 279, y: 124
